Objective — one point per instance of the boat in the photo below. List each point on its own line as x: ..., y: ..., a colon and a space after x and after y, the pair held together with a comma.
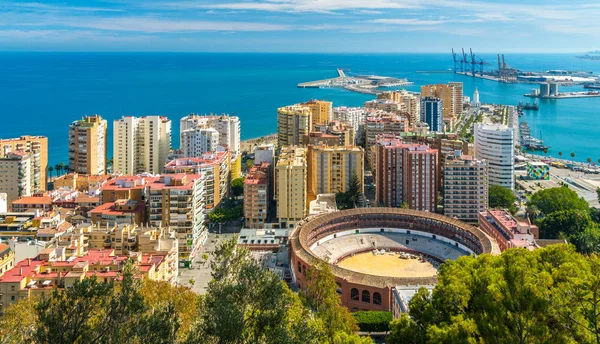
x: 527, y: 141
x: 594, y: 86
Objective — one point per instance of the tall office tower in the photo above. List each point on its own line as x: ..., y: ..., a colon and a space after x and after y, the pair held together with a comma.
x: 293, y: 122
x: 411, y: 103
x: 496, y: 144
x: 406, y: 173
x: 465, y: 187
x: 382, y: 124
x: 17, y: 175
x: 330, y: 169
x: 257, y: 195
x: 451, y: 96
x: 431, y: 113
x: 87, y: 145
x: 290, y: 186
x: 355, y: 116
x: 227, y: 126
x: 177, y: 201
x: 38, y: 147
x: 199, y: 140
x: 321, y: 111
x: 141, y: 144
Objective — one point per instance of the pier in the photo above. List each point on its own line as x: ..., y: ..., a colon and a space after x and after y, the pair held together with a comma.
x: 367, y: 84
x: 565, y: 95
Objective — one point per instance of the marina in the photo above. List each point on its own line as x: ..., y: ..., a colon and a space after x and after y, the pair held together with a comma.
x: 527, y: 141
x: 366, y: 84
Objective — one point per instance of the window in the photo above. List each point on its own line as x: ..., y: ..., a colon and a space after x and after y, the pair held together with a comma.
x: 366, y: 296
x: 376, y: 298
x: 354, y: 294
x: 299, y: 267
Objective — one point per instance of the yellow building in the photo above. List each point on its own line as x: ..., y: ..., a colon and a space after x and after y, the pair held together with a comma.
x: 7, y: 259
x: 293, y: 122
x: 51, y: 270
x: 331, y: 168
x: 17, y: 175
x: 236, y: 167
x: 412, y: 103
x: 38, y: 147
x: 80, y: 182
x: 290, y: 186
x: 451, y: 96
x: 321, y: 111
x: 87, y: 145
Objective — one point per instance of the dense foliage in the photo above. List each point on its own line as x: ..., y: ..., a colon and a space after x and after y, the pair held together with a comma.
x: 237, y: 187
x: 548, y: 295
x: 501, y: 197
x: 221, y: 215
x: 244, y: 303
x: 373, y: 321
x: 348, y: 199
x: 556, y: 199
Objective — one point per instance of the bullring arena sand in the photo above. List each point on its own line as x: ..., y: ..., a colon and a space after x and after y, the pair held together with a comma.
x: 387, y: 265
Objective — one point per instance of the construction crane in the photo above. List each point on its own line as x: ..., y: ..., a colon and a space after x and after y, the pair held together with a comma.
x: 506, y: 73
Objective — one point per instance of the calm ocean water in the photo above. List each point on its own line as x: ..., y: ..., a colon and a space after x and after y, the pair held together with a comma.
x: 41, y: 93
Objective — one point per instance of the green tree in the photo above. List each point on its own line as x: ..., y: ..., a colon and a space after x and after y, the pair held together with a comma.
x: 237, y: 187
x: 404, y: 205
x: 320, y: 295
x: 560, y: 154
x: 598, y: 194
x: 249, y: 164
x: 555, y: 199
x: 373, y: 321
x: 349, y: 198
x: 501, y: 197
x: 17, y: 322
x: 564, y: 223
x: 58, y: 169
x: 545, y: 151
x: 589, y: 161
x: 50, y: 170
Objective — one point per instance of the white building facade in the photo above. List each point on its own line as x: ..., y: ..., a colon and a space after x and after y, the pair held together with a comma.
x: 495, y: 143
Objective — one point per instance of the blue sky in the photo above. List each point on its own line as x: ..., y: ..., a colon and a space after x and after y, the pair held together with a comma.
x: 300, y: 25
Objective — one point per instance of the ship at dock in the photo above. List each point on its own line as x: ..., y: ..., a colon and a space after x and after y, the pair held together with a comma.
x: 528, y: 106
x: 527, y: 141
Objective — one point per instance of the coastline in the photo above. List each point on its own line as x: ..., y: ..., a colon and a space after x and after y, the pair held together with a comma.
x: 247, y: 146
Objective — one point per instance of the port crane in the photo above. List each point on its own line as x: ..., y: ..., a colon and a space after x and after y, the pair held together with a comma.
x: 506, y: 73
x: 467, y: 62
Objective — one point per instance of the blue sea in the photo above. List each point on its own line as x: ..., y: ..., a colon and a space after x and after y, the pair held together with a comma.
x: 42, y: 93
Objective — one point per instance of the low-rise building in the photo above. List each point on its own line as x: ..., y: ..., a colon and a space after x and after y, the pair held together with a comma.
x: 51, y: 270
x: 122, y: 211
x: 81, y: 182
x: 133, y: 188
x: 7, y: 258
x: 17, y: 225
x: 508, y: 231
x: 29, y: 203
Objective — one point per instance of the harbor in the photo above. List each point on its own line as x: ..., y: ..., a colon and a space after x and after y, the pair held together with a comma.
x: 529, y: 142
x: 366, y: 84
x: 550, y: 91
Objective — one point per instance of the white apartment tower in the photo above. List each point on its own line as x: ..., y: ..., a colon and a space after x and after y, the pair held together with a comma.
x: 199, y: 140
x: 141, y: 144
x: 496, y: 144
x: 227, y: 127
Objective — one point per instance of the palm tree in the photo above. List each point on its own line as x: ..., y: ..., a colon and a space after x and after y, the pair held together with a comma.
x: 63, y: 167
x: 572, y: 156
x: 589, y: 160
x: 50, y: 169
x: 58, y: 168
x: 560, y: 155
x: 545, y: 151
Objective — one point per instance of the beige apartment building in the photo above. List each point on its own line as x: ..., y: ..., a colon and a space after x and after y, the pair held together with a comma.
x: 451, y: 96
x: 141, y: 144
x: 17, y: 175
x: 331, y: 168
x: 38, y: 147
x: 465, y: 187
x: 293, y: 122
x: 321, y: 111
x: 412, y: 103
x: 343, y: 131
x: 382, y: 124
x: 290, y: 186
x: 87, y: 145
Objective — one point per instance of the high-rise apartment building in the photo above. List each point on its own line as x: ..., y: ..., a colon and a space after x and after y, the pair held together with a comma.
x: 411, y: 103
x: 382, y: 124
x: 386, y: 105
x: 290, y: 186
x: 406, y: 173
x: 342, y: 130
x: 431, y: 113
x: 465, y: 187
x: 355, y: 117
x: 17, y: 175
x: 257, y: 195
x: 495, y: 143
x: 87, y: 145
x: 293, y: 122
x: 216, y: 168
x: 451, y: 96
x: 199, y: 140
x: 141, y: 144
x: 177, y: 202
x: 38, y: 147
x: 321, y: 111
x: 228, y: 128
x: 330, y: 169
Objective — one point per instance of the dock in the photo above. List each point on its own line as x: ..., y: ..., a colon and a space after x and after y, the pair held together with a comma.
x: 565, y: 95
x: 367, y: 84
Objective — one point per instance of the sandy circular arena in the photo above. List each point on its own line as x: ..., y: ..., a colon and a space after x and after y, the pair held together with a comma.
x: 387, y: 265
